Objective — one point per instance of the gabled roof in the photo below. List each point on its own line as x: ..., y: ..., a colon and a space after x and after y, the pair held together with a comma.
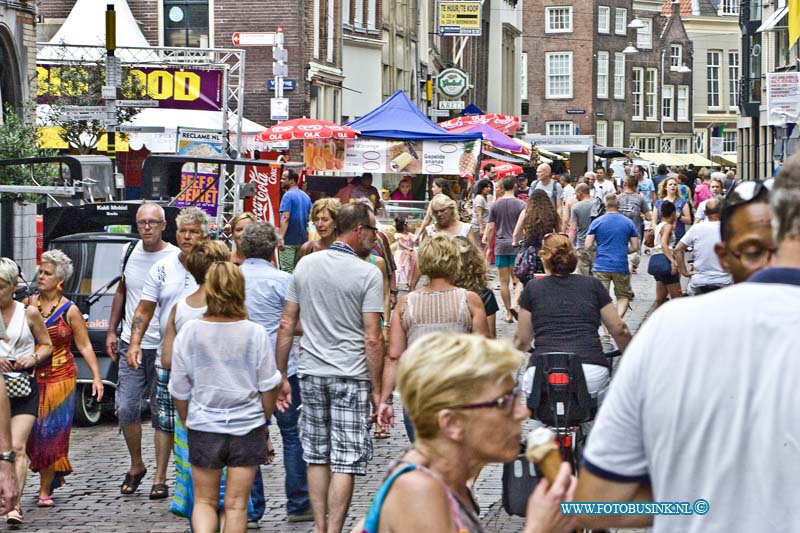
x: 399, y: 118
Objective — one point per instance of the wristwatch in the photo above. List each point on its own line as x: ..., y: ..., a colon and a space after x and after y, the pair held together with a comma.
x: 9, y: 456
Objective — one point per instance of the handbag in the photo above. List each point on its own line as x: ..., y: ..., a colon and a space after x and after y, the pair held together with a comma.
x: 659, y: 265
x: 18, y: 386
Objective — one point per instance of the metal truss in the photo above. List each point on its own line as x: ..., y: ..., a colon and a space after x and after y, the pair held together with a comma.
x: 230, y: 61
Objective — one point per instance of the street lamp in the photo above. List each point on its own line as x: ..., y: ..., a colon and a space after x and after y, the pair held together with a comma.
x: 630, y: 49
x: 636, y: 24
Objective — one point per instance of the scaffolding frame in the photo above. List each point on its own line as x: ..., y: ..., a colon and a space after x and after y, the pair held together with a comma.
x: 231, y: 61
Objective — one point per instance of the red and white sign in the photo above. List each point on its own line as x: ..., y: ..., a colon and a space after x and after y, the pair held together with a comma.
x: 252, y: 38
x: 266, y: 202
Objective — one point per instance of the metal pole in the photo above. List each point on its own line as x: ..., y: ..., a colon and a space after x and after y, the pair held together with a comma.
x: 111, y: 103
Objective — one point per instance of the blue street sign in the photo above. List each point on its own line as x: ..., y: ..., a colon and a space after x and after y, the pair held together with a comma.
x: 288, y: 85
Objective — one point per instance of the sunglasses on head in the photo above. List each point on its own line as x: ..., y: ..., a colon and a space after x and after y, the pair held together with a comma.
x: 554, y: 233
x: 745, y: 192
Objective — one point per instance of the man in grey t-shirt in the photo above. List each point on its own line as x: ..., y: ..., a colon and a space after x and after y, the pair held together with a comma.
x: 579, y: 220
x: 545, y: 182
x: 339, y: 298
x: 634, y: 206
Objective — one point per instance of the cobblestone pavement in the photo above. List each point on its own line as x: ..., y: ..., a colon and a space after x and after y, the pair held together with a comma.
x: 91, y: 502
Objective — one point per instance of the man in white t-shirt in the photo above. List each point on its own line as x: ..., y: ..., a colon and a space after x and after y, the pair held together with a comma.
x: 166, y: 283
x: 716, y: 425
x: 707, y: 274
x: 602, y: 185
x: 136, y: 385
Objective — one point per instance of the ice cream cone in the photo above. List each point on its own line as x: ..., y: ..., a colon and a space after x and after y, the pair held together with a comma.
x: 542, y: 451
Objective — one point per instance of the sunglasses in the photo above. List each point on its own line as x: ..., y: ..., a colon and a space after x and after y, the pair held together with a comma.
x: 504, y: 403
x: 367, y: 226
x: 745, y: 192
x: 554, y: 233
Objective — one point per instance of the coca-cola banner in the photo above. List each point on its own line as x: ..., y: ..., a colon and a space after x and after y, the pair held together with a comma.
x: 267, y: 199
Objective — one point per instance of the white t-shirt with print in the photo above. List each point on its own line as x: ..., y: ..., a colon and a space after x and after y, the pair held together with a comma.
x: 167, y: 282
x: 137, y: 269
x: 713, y: 416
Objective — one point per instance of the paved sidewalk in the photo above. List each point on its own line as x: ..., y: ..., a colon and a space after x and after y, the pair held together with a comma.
x: 91, y: 502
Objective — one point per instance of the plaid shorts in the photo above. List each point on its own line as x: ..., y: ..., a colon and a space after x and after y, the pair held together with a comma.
x: 335, y: 426
x: 165, y: 416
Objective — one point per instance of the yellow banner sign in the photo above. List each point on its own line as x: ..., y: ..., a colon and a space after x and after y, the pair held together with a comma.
x: 459, y: 18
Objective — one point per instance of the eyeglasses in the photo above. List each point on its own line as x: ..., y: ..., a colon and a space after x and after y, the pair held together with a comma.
x: 745, y: 192
x: 754, y: 256
x: 554, y: 233
x: 505, y: 403
x: 146, y: 223
x: 367, y: 226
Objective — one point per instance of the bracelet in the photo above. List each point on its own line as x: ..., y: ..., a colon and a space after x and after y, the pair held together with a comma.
x: 35, y: 358
x: 388, y: 402
x: 394, y: 292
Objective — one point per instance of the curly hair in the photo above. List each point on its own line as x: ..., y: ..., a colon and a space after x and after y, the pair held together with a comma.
x: 472, y: 274
x: 541, y: 217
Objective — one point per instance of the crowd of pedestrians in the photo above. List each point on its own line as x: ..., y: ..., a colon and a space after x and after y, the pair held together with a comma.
x: 311, y: 332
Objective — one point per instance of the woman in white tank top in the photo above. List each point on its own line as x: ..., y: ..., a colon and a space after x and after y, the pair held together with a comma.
x: 24, y: 344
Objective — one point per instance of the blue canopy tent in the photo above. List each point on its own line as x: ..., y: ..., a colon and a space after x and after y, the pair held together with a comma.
x: 399, y: 119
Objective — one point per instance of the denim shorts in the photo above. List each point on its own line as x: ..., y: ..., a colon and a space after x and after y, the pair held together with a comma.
x: 135, y: 386
x: 165, y: 408
x: 335, y: 426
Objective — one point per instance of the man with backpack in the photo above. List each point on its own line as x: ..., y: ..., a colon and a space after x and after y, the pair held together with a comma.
x: 613, y: 232
x: 545, y: 182
x: 634, y: 206
x: 580, y: 219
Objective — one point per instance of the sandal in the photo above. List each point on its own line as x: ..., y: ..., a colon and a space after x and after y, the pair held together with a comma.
x: 132, y: 482
x: 159, y: 491
x: 45, y: 501
x: 14, y: 516
x: 381, y: 434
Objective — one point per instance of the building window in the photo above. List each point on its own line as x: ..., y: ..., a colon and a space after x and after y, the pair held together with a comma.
x: 675, y: 55
x: 621, y: 21
x: 683, y: 102
x: 186, y: 23
x: 558, y: 19
x: 346, y: 12
x: 712, y: 78
x: 681, y: 146
x: 601, y: 133
x: 619, y: 76
x: 644, y: 35
x: 733, y: 78
x: 604, y: 19
x: 602, y: 74
x: 558, y: 66
x: 651, y: 93
x: 619, y: 134
x: 563, y: 127
x: 358, y: 20
x: 372, y: 15
x: 730, y: 7
x: 667, y: 94
x: 647, y: 144
x: 638, y: 94
x: 729, y: 141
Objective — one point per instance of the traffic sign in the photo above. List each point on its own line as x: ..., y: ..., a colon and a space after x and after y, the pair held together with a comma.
x: 137, y: 103
x: 438, y: 112
x: 76, y: 112
x: 252, y: 38
x: 451, y: 104
x: 141, y: 129
x: 278, y: 108
x: 288, y: 84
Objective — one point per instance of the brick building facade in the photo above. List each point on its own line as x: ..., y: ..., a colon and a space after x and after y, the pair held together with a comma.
x: 17, y: 54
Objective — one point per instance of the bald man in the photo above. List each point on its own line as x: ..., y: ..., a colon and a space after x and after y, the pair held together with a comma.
x: 706, y: 274
x: 545, y: 182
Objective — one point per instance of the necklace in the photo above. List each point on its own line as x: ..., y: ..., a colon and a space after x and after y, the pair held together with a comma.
x: 52, y: 309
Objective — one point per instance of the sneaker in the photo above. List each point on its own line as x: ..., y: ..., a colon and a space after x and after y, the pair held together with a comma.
x: 302, y: 516
x: 253, y: 524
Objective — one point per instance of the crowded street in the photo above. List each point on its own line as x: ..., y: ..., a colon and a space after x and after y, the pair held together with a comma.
x: 90, y: 502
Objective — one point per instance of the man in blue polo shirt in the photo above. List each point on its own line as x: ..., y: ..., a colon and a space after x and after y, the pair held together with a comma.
x: 295, y: 206
x: 613, y: 232
x: 675, y: 419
